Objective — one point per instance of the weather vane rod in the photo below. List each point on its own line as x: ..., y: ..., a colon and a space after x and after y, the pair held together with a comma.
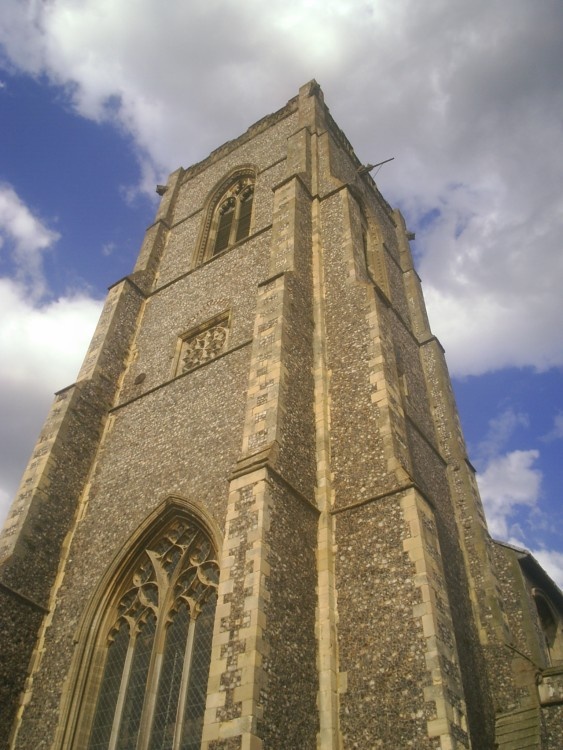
x: 365, y: 168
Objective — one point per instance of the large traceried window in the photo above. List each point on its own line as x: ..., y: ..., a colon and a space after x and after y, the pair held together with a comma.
x: 157, y: 640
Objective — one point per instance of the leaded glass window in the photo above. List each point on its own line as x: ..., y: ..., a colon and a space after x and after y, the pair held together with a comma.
x: 197, y: 685
x: 245, y: 213
x: 151, y: 695
x: 225, y: 225
x: 109, y: 689
x: 166, y: 709
x: 233, y: 216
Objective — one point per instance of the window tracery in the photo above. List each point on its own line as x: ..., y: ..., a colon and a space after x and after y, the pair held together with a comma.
x: 158, y: 644
x: 232, y: 216
x: 551, y: 626
x: 203, y: 344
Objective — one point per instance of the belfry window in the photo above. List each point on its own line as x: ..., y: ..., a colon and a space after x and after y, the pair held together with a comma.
x: 551, y: 626
x: 231, y: 222
x: 157, y: 646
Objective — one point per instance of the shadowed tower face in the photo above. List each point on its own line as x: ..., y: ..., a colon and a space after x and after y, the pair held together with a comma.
x: 251, y: 522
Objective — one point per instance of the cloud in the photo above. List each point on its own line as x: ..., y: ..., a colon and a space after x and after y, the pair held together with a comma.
x: 466, y: 96
x: 499, y: 432
x: 24, y: 238
x: 556, y: 432
x: 108, y: 248
x: 509, y: 483
x: 40, y: 351
x: 41, y: 343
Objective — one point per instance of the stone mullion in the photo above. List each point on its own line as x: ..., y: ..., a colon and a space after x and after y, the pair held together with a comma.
x: 165, y: 589
x: 445, y: 691
x: 181, y: 708
x: 133, y: 630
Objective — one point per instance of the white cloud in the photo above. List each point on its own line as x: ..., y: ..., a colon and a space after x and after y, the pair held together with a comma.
x: 40, y: 351
x: 500, y: 430
x: 41, y: 344
x: 24, y: 238
x: 556, y: 432
x: 466, y: 96
x: 510, y: 485
x: 507, y: 485
x: 108, y: 248
x: 45, y: 338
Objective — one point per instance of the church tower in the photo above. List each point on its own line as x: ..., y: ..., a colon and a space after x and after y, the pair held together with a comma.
x: 251, y: 523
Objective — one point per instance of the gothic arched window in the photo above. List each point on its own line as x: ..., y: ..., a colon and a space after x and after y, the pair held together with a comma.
x: 231, y: 217
x: 156, y: 646
x: 551, y: 627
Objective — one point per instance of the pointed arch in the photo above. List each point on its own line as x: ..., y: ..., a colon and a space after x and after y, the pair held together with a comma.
x: 228, y: 214
x: 139, y: 673
x: 551, y: 626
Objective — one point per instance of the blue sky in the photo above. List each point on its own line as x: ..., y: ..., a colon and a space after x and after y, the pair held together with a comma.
x: 98, y: 104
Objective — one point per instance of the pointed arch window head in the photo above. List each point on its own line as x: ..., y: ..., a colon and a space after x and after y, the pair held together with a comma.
x: 232, y: 216
x: 156, y: 646
x: 551, y: 625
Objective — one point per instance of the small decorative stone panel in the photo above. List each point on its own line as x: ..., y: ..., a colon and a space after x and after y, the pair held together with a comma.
x: 203, y: 344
